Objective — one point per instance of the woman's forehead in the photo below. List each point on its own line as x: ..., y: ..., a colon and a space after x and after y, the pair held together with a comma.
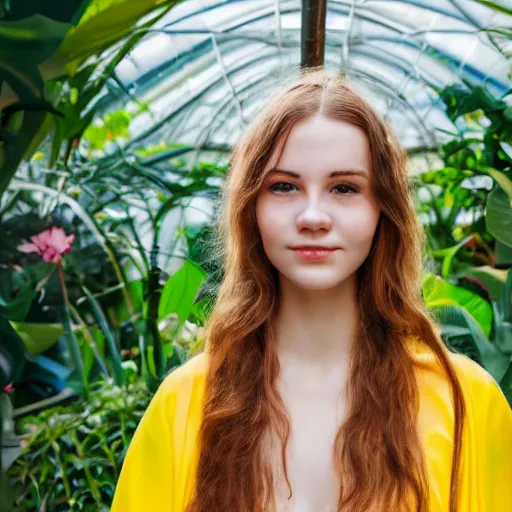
x: 322, y: 147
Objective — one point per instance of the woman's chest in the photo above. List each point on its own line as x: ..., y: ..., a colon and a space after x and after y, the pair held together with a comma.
x: 315, y: 416
x: 314, y: 422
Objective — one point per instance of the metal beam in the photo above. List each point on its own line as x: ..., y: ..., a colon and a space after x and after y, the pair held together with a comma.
x: 313, y: 33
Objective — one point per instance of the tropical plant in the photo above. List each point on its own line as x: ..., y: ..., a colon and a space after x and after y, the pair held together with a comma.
x: 51, y: 244
x: 11, y: 358
x: 468, y: 202
x: 72, y: 454
x: 82, y: 170
x: 40, y: 43
x: 475, y: 327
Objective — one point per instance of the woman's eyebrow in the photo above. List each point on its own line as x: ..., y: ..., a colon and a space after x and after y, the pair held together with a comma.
x: 345, y: 172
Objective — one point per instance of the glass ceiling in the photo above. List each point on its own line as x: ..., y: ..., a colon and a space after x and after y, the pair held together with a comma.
x: 208, y: 66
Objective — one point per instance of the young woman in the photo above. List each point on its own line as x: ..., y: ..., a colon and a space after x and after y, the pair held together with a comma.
x: 324, y: 385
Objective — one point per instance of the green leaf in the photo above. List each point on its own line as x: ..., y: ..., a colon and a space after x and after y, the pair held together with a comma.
x: 17, y: 309
x: 503, y: 181
x: 12, y: 356
x: 448, y: 254
x: 498, y: 219
x: 200, y: 311
x: 77, y: 381
x: 505, y: 301
x: 114, y: 304
x: 460, y: 101
x: 16, y: 145
x: 27, y: 84
x: 109, y: 337
x: 130, y: 370
x: 84, y: 335
x: 456, y: 322
x: 104, y: 24
x: 493, y: 279
x: 437, y: 292
x: 506, y: 383
x: 180, y: 290
x: 114, y: 125
x: 496, y: 6
x: 503, y: 254
x: 31, y: 39
x: 38, y: 337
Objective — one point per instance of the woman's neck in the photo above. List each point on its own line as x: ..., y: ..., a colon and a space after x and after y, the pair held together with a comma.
x: 316, y: 327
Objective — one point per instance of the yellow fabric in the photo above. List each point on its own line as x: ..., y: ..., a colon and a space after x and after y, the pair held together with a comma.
x: 159, y: 468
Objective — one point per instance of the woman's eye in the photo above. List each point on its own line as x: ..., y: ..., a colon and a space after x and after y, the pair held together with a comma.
x: 284, y: 186
x: 347, y: 188
x: 281, y: 186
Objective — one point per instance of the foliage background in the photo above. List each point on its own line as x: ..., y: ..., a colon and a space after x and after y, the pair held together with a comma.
x: 130, y: 167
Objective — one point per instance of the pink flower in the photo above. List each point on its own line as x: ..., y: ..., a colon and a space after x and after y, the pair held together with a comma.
x: 8, y: 389
x: 50, y: 244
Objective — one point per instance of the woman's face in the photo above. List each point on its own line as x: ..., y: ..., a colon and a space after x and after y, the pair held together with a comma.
x: 318, y: 193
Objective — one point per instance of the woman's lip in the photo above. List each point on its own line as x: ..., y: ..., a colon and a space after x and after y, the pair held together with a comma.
x: 312, y: 254
x: 318, y: 248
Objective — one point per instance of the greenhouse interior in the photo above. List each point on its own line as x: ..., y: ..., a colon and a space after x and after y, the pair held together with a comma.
x: 117, y: 124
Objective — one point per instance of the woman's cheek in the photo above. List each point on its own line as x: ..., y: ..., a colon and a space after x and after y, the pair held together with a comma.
x: 266, y: 217
x: 359, y: 225
x: 272, y: 219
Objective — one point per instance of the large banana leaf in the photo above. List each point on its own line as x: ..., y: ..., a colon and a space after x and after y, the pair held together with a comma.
x: 456, y: 323
x: 29, y: 33
x: 499, y: 216
x: 503, y: 181
x: 104, y: 24
x: 40, y: 41
x: 437, y: 292
x: 492, y: 279
x: 503, y: 317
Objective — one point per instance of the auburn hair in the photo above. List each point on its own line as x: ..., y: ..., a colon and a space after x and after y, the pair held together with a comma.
x: 377, y: 452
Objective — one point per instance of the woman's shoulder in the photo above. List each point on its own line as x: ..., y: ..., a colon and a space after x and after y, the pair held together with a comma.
x: 153, y: 476
x: 472, y: 373
x: 482, y: 389
x: 476, y: 382
x: 191, y: 373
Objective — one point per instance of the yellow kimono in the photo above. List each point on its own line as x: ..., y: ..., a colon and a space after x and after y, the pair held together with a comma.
x: 159, y: 468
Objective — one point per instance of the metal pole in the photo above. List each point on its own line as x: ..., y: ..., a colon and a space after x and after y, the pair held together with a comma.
x: 313, y: 33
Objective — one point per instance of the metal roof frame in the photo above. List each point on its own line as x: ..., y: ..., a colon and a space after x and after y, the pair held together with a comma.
x: 345, y: 46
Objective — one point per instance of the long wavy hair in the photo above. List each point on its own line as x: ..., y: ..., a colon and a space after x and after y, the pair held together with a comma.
x: 377, y: 452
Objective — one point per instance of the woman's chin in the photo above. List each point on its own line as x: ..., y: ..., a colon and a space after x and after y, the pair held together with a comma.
x: 312, y: 282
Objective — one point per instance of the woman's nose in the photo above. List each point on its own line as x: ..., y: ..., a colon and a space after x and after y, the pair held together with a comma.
x: 313, y: 217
